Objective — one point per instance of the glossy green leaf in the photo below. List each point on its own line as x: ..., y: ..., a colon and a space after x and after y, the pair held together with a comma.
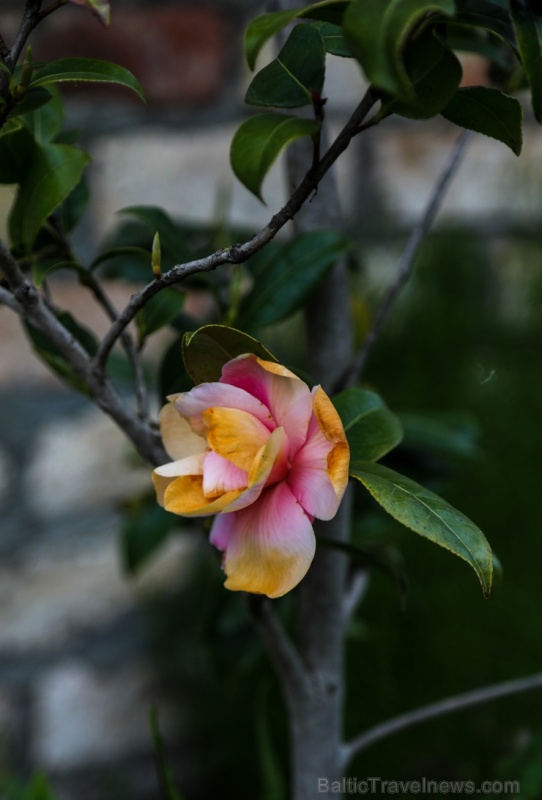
x: 527, y: 17
x: 16, y: 148
x: 51, y: 174
x: 434, y: 73
x: 262, y: 28
x: 207, y: 350
x: 488, y: 111
x: 45, y: 122
x: 145, y: 527
x: 158, y: 312
x: 284, y: 280
x: 428, y: 515
x: 371, y: 428
x: 377, y: 32
x: 100, y: 8
x: 85, y: 69
x: 290, y: 80
x: 45, y: 267
x: 258, y: 142
x: 490, y: 16
x: 333, y: 39
x: 32, y: 100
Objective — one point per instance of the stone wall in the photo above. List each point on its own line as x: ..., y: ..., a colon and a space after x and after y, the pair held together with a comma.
x: 75, y: 675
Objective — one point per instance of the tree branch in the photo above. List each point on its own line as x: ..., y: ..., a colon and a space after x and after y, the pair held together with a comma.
x: 355, y: 369
x: 41, y: 317
x: 440, y: 708
x: 281, y: 649
x: 7, y: 299
x: 127, y: 342
x: 238, y: 253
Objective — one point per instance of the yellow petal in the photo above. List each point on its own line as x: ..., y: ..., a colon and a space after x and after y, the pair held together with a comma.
x: 235, y: 435
x: 338, y: 460
x: 276, y: 369
x: 185, y: 496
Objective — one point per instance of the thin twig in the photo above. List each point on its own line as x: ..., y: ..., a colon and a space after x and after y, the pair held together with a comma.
x: 41, y: 317
x: 354, y: 370
x: 31, y: 18
x: 52, y: 7
x: 127, y: 341
x: 438, y: 709
x: 239, y: 253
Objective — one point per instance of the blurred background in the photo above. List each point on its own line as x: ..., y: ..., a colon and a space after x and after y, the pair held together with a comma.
x: 86, y: 648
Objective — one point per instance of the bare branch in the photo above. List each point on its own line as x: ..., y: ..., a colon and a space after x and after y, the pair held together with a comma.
x: 7, y: 299
x: 127, y: 342
x: 281, y: 649
x: 440, y: 708
x: 238, y: 253
x: 42, y: 318
x: 353, y: 373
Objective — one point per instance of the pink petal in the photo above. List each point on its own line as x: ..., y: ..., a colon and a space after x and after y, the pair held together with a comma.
x: 269, y: 546
x: 220, y: 475
x: 286, y: 396
x: 309, y: 478
x: 192, y: 404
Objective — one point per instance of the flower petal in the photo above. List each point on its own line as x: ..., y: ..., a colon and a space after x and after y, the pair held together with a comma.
x: 192, y: 404
x: 331, y: 425
x: 286, y: 396
x: 319, y: 473
x: 269, y: 463
x: 178, y: 437
x: 269, y: 546
x: 220, y: 475
x: 164, y: 475
x: 235, y: 435
x: 185, y: 496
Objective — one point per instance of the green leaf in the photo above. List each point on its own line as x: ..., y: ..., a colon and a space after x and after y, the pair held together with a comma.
x: 333, y: 38
x: 435, y: 74
x: 158, y: 312
x: 489, y: 16
x: 377, y: 32
x: 31, y: 101
x: 47, y: 266
x: 428, y: 515
x: 45, y: 122
x: 99, y: 7
x: 298, y: 71
x: 490, y: 112
x: 527, y: 17
x: 16, y: 149
x: 262, y: 28
x: 371, y: 428
x: 84, y: 69
x: 283, y: 280
x: 52, y: 173
x: 145, y: 527
x: 258, y: 142
x: 207, y: 350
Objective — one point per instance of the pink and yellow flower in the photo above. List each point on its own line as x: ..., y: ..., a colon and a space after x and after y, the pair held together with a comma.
x: 265, y: 454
